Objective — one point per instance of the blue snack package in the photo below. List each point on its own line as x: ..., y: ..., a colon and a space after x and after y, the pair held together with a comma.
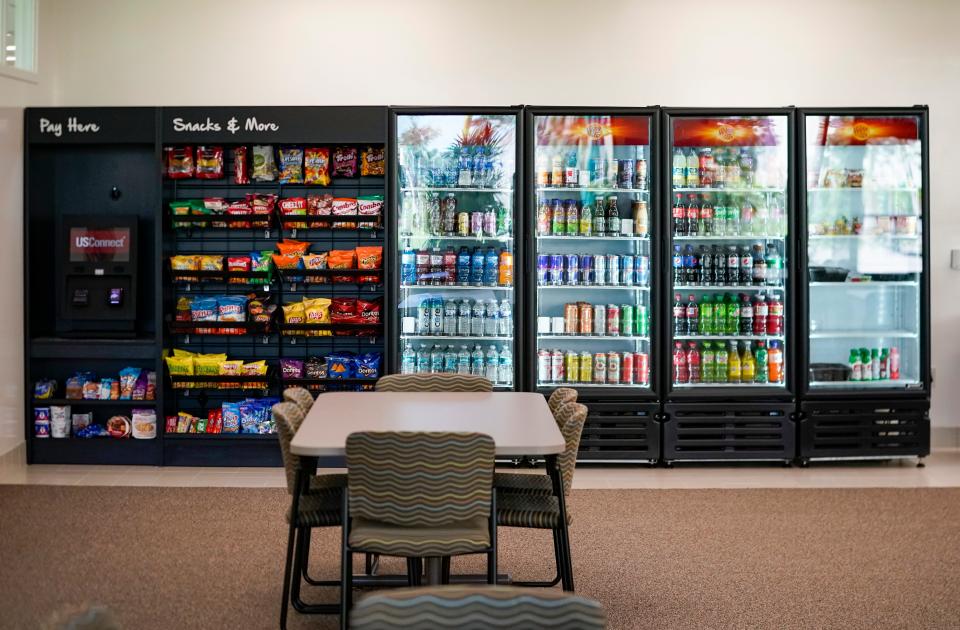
x: 232, y: 308
x: 249, y: 412
x: 203, y: 309
x: 340, y: 365
x: 367, y: 365
x: 231, y: 417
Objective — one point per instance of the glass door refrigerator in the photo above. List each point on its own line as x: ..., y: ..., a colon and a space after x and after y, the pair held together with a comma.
x: 590, y: 265
x: 455, y: 193
x: 866, y: 356
x: 730, y: 299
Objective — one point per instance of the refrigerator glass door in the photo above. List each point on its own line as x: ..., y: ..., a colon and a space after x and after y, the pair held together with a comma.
x: 456, y: 238
x: 729, y: 216
x: 865, y: 252
x: 592, y: 251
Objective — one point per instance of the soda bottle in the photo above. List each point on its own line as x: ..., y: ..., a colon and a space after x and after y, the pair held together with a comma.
x: 613, y: 216
x: 759, y: 265
x: 544, y: 218
x: 706, y: 315
x: 571, y: 172
x: 719, y: 167
x: 761, y: 359
x: 599, y: 217
x: 679, y: 168
x: 746, y: 216
x: 723, y: 362
x: 692, y: 170
x: 733, y: 264
x: 746, y: 268
x: 556, y: 171
x: 746, y: 315
x: 679, y: 317
x: 706, y: 267
x: 505, y: 376
x: 874, y: 365
x: 707, y: 167
x: 775, y: 363
x: 894, y: 364
x: 436, y: 360
x: 733, y: 217
x: 678, y: 275
x: 720, y: 215
x: 690, y: 265
x: 719, y: 265
x: 747, y: 167
x: 693, y: 362
x: 774, y: 273
x: 558, y: 218
x: 856, y: 367
x: 505, y: 319
x: 732, y: 326
x: 505, y: 266
x: 449, y: 265
x: 491, y: 364
x: 679, y: 217
x: 731, y: 175
x: 408, y: 360
x: 693, y: 315
x: 733, y: 364
x: 748, y: 365
x: 436, y: 266
x: 865, y: 362
x: 709, y: 359
x: 760, y: 312
x: 681, y: 372
x: 463, y: 266
x: 571, y: 217
x: 423, y: 266
x: 759, y: 223
x: 491, y: 264
x: 778, y: 218
x: 463, y: 318
x: 720, y: 315
x: 775, y: 316
x: 693, y: 215
x: 706, y: 216
x: 586, y: 220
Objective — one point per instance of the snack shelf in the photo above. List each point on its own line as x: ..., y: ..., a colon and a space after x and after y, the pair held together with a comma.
x: 305, y: 382
x: 335, y: 327
x: 452, y: 287
x: 373, y: 182
x: 215, y: 382
x: 126, y: 349
x: 219, y: 437
x: 185, y: 277
x: 457, y: 237
x: 206, y: 219
x: 191, y: 328
x: 84, y: 402
x: 594, y: 337
x: 289, y: 275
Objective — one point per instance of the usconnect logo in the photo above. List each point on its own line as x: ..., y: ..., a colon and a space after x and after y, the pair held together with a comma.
x: 86, y: 242
x: 725, y: 132
x: 861, y: 131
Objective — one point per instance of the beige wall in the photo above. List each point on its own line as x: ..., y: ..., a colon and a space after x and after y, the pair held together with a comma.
x: 602, y: 52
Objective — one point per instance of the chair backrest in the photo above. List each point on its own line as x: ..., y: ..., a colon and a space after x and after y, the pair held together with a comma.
x: 441, y: 607
x: 299, y: 396
x: 288, y: 417
x: 560, y: 397
x: 419, y: 479
x: 433, y: 383
x: 571, y: 418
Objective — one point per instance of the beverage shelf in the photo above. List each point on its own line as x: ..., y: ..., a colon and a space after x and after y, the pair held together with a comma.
x: 863, y: 237
x: 876, y: 284
x: 593, y: 287
x: 440, y: 237
x: 593, y: 238
x: 736, y: 237
x: 452, y: 287
x: 404, y: 337
x: 578, y: 384
x: 454, y: 189
x: 728, y: 287
x: 593, y: 337
x: 725, y: 385
x: 645, y: 191
x: 849, y: 385
x: 729, y: 190
x: 728, y: 337
x: 864, y: 334
x: 880, y: 189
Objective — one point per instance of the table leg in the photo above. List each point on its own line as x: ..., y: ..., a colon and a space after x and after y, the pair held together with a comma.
x: 556, y: 476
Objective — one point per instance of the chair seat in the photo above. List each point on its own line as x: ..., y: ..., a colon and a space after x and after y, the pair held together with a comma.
x: 519, y: 483
x: 321, y: 509
x: 471, y: 536
x: 524, y: 510
x: 333, y: 481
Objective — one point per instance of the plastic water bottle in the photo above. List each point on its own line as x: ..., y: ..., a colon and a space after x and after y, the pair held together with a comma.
x: 463, y: 361
x: 491, y: 319
x: 492, y: 364
x: 505, y: 323
x: 436, y: 316
x: 465, y: 173
x: 463, y: 318
x: 408, y: 266
x: 423, y: 316
x: 450, y: 361
x: 506, y: 367
x: 476, y: 361
x: 436, y: 360
x: 423, y: 360
x: 476, y: 319
x: 450, y: 318
x: 408, y: 360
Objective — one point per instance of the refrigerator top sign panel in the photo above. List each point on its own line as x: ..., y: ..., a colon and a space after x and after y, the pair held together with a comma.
x: 730, y: 131
x: 593, y: 130
x: 855, y: 130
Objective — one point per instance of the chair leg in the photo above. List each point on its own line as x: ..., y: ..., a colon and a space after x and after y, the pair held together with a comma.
x: 346, y: 567
x: 567, y: 571
x: 301, y: 553
x: 411, y: 572
x: 285, y: 604
x: 445, y: 570
x: 305, y: 564
x: 368, y: 563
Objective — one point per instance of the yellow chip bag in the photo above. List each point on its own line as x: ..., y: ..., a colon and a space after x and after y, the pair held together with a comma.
x: 230, y: 368
x: 180, y: 366
x: 206, y: 366
x: 184, y: 263
x: 293, y: 314
x: 179, y: 352
x: 254, y: 368
x: 317, y: 311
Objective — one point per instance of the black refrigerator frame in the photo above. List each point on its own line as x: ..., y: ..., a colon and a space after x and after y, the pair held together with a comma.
x: 623, y: 425
x: 392, y: 253
x: 729, y: 423
x: 869, y: 423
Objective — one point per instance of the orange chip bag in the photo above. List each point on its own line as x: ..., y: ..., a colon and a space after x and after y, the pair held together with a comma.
x: 369, y: 258
x: 342, y: 259
x: 289, y: 247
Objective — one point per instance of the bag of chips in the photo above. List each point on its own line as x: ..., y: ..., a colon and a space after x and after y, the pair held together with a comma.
x: 344, y: 162
x: 368, y: 311
x: 315, y: 262
x: 291, y: 368
x: 209, y: 162
x: 264, y: 166
x: 211, y: 263
x: 342, y: 259
x: 293, y: 314
x: 315, y: 367
x: 184, y: 310
x: 370, y: 257
x: 370, y: 206
x: 238, y: 264
x: 260, y: 263
x: 261, y: 204
x: 242, y: 209
x: 181, y: 209
x: 255, y: 368
x: 317, y: 311
x: 128, y: 378
x: 186, y: 262
x: 291, y: 165
x: 230, y: 368
x: 230, y: 412
x: 343, y: 311
x: 232, y: 308
x: 178, y: 162
x: 180, y: 366
x: 367, y: 365
x: 240, y: 161
x: 371, y: 162
x: 320, y: 206
x: 294, y: 207
x: 259, y: 310
x: 340, y: 365
x: 203, y: 309
x: 316, y: 162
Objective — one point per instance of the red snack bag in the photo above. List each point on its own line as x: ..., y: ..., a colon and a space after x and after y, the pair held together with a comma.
x: 344, y: 207
x: 240, y: 208
x: 209, y: 162
x: 369, y: 258
x: 241, y: 172
x: 320, y: 206
x: 316, y: 165
x: 344, y: 162
x: 262, y: 204
x: 171, y: 424
x: 178, y: 162
x: 343, y: 311
x: 238, y: 263
x: 368, y: 312
x: 294, y: 206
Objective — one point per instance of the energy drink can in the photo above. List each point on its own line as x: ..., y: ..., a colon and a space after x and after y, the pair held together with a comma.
x: 613, y: 320
x: 641, y: 271
x: 641, y: 368
x: 642, y: 321
x: 543, y: 269
x: 613, y: 368
x: 586, y: 367
x: 586, y: 269
x: 571, y: 317
x: 543, y: 366
x: 571, y: 364
x: 599, y: 270
x: 613, y: 269
x: 599, y: 319
x: 556, y: 268
x: 556, y: 366
x: 585, y: 319
x: 626, y: 270
x: 600, y: 367
x: 476, y: 223
x: 463, y: 224
x: 573, y: 270
x: 626, y: 369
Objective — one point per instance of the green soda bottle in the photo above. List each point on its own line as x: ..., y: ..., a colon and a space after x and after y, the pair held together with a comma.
x: 706, y: 315
x: 733, y: 315
x: 723, y: 362
x: 709, y: 362
x: 761, y: 358
x: 719, y: 315
x: 867, y: 374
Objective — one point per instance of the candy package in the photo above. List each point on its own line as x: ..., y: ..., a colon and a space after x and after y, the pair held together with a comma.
x: 209, y: 162
x: 291, y: 368
x: 239, y: 208
x: 215, y: 421
x: 370, y: 206
x: 293, y: 207
x: 262, y: 204
x: 367, y: 365
x: 264, y: 166
x: 370, y: 257
x: 240, y: 165
x: 178, y: 162
x: 316, y: 162
x: 232, y: 308
x: 344, y: 162
x: 214, y: 206
x: 291, y: 165
x: 150, y: 393
x: 320, y: 206
x: 238, y: 264
x: 371, y: 162
x: 340, y: 365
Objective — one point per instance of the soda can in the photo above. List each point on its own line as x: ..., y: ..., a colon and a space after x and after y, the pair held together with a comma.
x: 613, y: 368
x: 600, y: 367
x: 543, y: 366
x: 641, y: 174
x: 642, y: 321
x: 556, y: 268
x: 613, y: 320
x: 626, y: 270
x: 571, y: 365
x: 586, y: 269
x: 556, y: 366
x: 586, y: 367
x: 463, y: 224
x: 626, y: 369
x: 626, y: 319
x: 476, y: 223
x: 585, y: 319
x: 599, y: 319
x: 641, y: 368
x: 625, y: 174
x: 599, y: 270
x: 613, y: 269
x: 573, y: 269
x: 641, y: 271
x: 543, y: 269
x: 571, y: 317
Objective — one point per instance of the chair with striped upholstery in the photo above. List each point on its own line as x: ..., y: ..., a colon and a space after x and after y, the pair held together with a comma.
x: 418, y: 495
x: 525, y: 483
x: 299, y: 396
x: 543, y: 512
x: 434, y: 383
x: 465, y: 607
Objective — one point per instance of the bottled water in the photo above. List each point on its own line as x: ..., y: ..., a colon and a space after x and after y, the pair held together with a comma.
x: 476, y: 319
x: 505, y: 323
x: 436, y: 360
x: 476, y: 361
x: 436, y: 316
x: 449, y: 318
x: 450, y: 361
x: 490, y: 324
x: 423, y: 316
x: 408, y: 362
x: 463, y: 361
x: 463, y: 318
x: 492, y: 364
x: 423, y: 360
x: 506, y: 367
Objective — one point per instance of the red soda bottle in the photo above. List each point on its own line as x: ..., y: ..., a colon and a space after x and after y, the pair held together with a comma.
x: 760, y: 312
x: 775, y: 315
x: 449, y: 266
x: 693, y: 362
x: 693, y: 316
x: 681, y: 373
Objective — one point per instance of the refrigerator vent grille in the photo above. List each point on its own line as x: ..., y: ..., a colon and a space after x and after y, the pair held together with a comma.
x: 728, y: 431
x: 616, y: 431
x: 864, y: 429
